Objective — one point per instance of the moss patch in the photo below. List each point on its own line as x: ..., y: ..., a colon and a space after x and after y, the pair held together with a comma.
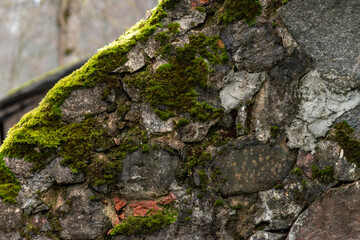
x: 351, y: 146
x: 171, y: 88
x: 240, y: 9
x: 9, y: 185
x: 325, y: 175
x: 141, y: 225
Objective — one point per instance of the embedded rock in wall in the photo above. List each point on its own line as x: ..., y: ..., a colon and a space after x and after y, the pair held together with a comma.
x: 206, y: 120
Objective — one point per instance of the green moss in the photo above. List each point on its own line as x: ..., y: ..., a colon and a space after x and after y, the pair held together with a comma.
x: 171, y: 88
x: 240, y: 9
x: 141, y: 225
x: 182, y: 122
x: 9, y: 185
x: 325, y: 175
x: 201, y: 9
x: 351, y: 146
x: 41, y: 132
x: 297, y: 171
x: 279, y: 186
x: 218, y: 203
x: 274, y: 131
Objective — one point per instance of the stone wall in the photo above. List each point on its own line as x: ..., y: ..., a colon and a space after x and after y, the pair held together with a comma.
x: 207, y: 120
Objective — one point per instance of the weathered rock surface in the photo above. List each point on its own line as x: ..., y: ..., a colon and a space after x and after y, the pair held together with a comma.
x: 83, y: 218
x: 334, y: 215
x: 82, y: 102
x: 252, y: 168
x: 148, y: 175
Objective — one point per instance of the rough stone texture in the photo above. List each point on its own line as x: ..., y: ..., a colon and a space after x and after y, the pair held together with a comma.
x: 10, y: 217
x: 153, y: 124
x: 64, y: 175
x: 81, y: 102
x: 194, y: 131
x: 253, y: 49
x: 263, y: 235
x: 83, y: 218
x: 20, y: 167
x: 315, y: 26
x: 240, y: 87
x: 148, y: 175
x: 252, y: 168
x: 10, y: 236
x: 335, y: 215
x: 135, y: 62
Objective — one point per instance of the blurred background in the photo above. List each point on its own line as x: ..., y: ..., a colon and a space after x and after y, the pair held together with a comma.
x: 40, y: 35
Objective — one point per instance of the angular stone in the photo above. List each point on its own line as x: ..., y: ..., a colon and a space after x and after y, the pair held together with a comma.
x: 254, y: 48
x: 335, y: 215
x: 20, y: 167
x: 135, y: 62
x: 320, y: 106
x: 82, y: 102
x: 315, y: 26
x: 64, y: 175
x: 85, y: 218
x: 240, y: 87
x: 252, y: 168
x: 194, y: 131
x: 148, y: 175
x: 152, y: 122
x: 305, y: 161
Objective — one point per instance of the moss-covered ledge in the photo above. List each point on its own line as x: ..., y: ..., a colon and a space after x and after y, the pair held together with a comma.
x: 41, y: 132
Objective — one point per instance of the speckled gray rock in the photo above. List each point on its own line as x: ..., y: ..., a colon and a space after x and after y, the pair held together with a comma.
x: 252, y: 168
x: 240, y: 87
x: 328, y: 32
x: 82, y: 102
x: 152, y: 122
x: 148, y: 175
x: 82, y: 218
x: 333, y: 216
x: 10, y: 217
x: 135, y: 62
x: 64, y: 175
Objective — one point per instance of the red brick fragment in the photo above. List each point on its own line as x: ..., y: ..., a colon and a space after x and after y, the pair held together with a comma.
x: 168, y: 199
x: 305, y: 161
x: 119, y: 204
x: 142, y: 208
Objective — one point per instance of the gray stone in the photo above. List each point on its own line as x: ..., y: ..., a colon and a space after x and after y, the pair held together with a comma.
x: 152, y: 122
x: 148, y: 175
x: 335, y: 215
x: 252, y: 168
x: 82, y: 102
x: 353, y: 119
x: 263, y: 235
x: 10, y: 236
x: 40, y: 182
x: 20, y: 167
x: 135, y: 62
x: 64, y: 175
x: 10, y: 217
x: 280, y: 207
x: 240, y: 87
x: 328, y: 32
x: 85, y: 218
x: 191, y: 21
x: 254, y: 48
x: 195, y: 131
